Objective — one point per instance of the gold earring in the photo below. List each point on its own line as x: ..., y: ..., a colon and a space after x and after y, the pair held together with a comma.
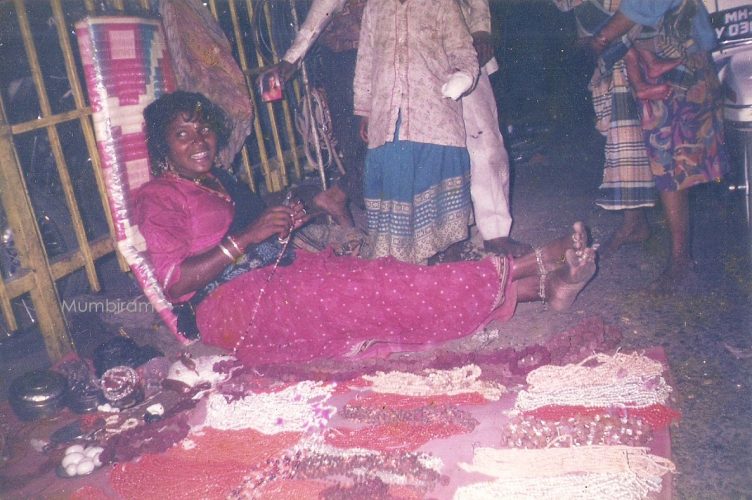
x: 164, y: 165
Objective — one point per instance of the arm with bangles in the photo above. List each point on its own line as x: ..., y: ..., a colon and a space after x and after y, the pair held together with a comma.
x: 199, y: 270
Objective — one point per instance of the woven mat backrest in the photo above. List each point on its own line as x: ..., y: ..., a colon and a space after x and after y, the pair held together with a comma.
x: 127, y: 65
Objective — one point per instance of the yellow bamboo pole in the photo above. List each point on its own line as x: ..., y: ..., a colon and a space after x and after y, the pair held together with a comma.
x: 57, y: 150
x: 263, y: 154
x: 288, y: 120
x: 270, y: 106
x: 276, y: 179
x: 5, y: 306
x: 49, y: 121
x: 247, y: 167
x: 28, y: 240
x: 84, y: 120
x: 308, y: 107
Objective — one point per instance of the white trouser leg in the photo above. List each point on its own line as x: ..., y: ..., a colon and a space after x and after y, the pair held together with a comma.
x: 489, y: 161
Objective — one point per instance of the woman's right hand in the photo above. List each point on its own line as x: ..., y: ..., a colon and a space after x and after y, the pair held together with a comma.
x: 275, y: 220
x: 278, y: 220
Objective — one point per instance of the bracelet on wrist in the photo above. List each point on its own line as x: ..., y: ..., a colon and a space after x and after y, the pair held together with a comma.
x: 226, y: 252
x: 235, y: 245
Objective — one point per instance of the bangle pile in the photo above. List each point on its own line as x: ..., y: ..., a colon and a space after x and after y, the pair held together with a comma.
x: 228, y: 254
x: 234, y: 243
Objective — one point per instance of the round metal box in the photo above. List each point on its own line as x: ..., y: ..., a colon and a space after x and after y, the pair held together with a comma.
x: 38, y: 394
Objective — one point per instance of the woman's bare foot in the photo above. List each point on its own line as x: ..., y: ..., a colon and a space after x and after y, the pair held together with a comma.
x: 679, y: 274
x: 550, y: 256
x: 553, y: 253
x: 333, y: 202
x: 564, y: 284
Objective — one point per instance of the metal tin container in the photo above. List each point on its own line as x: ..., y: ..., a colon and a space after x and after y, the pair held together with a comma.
x: 38, y: 394
x: 84, y: 398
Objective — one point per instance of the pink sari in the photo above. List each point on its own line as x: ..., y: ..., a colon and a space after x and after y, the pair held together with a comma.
x: 322, y: 305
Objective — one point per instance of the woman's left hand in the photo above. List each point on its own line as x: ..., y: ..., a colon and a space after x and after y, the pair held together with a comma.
x: 299, y: 215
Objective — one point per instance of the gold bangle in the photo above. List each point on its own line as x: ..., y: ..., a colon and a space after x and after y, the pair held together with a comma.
x: 234, y: 243
x: 226, y: 252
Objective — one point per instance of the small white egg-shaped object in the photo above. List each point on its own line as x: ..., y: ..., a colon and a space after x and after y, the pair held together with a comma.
x: 156, y: 409
x: 85, y: 467
x: 91, y: 451
x: 74, y: 448
x: 71, y: 469
x: 71, y: 458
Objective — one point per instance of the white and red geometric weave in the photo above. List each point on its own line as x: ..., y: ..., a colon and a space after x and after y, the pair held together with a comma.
x: 127, y: 66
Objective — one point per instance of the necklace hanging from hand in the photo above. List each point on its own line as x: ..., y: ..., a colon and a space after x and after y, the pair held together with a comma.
x: 285, y: 242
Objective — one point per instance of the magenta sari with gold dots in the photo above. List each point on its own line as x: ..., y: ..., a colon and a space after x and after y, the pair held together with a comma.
x: 322, y: 305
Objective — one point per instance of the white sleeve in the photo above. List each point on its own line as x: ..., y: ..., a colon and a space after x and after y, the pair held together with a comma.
x: 477, y: 15
x: 318, y: 18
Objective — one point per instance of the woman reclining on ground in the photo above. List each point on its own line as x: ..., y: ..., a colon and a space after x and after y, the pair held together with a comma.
x: 311, y: 305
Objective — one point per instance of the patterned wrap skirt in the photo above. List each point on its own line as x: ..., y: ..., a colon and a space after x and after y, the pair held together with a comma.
x: 684, y: 134
x: 417, y: 199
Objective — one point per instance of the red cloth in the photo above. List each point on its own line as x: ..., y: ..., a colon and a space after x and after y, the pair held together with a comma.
x: 321, y: 305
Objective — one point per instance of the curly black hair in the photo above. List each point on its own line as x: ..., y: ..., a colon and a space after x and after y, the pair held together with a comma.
x: 194, y: 106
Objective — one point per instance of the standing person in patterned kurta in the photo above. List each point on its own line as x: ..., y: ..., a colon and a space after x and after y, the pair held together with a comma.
x: 415, y: 60
x: 337, y: 24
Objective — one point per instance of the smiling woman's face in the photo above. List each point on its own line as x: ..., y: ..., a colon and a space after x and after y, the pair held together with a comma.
x: 192, y: 146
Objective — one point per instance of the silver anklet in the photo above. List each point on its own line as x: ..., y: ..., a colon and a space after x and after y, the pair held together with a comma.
x: 542, y: 274
x: 539, y: 260
x: 542, y: 288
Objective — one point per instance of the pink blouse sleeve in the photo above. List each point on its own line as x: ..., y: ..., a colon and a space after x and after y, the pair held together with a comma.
x: 165, y: 222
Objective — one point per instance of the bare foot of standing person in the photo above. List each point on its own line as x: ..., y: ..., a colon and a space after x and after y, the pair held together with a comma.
x: 634, y: 229
x: 678, y: 274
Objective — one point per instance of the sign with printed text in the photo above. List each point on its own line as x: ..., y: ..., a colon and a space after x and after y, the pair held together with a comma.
x: 733, y: 24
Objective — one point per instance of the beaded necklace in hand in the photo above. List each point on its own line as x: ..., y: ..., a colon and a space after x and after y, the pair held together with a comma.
x: 285, y: 243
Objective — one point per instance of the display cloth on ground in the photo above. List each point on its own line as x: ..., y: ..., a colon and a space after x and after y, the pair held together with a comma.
x: 572, y: 418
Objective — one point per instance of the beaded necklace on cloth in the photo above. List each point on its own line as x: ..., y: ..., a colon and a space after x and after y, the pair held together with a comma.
x: 581, y: 472
x: 302, y: 407
x: 207, y: 182
x: 625, y: 380
x: 461, y: 380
